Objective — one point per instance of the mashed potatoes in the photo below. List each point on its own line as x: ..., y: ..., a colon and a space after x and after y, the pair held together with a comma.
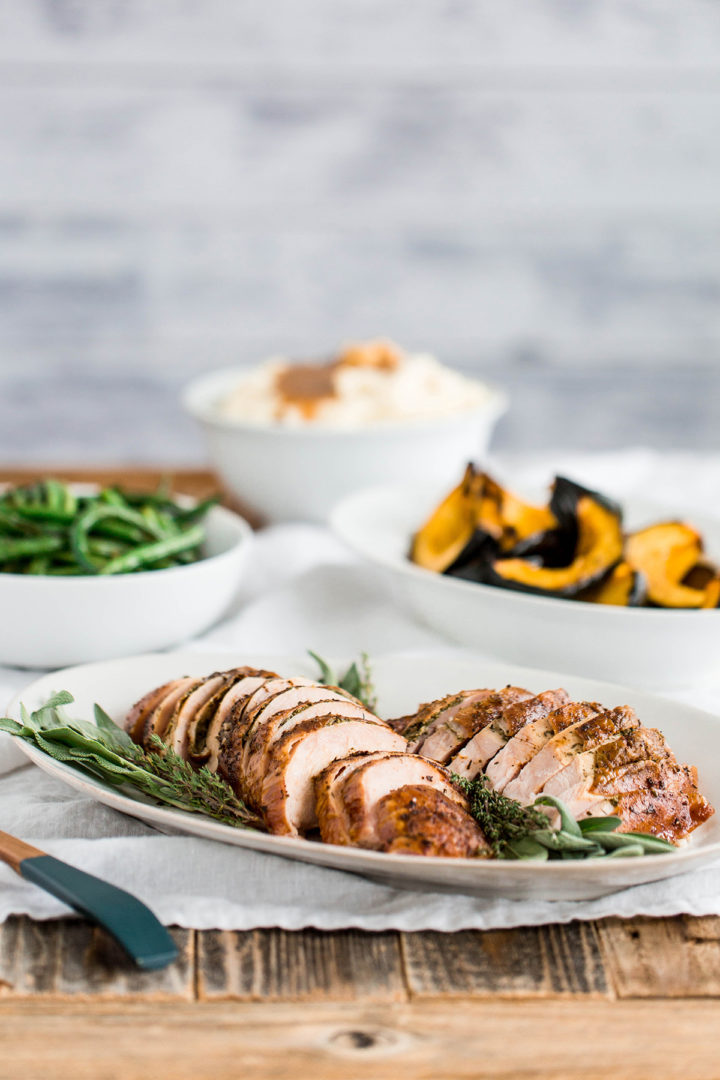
x: 365, y: 384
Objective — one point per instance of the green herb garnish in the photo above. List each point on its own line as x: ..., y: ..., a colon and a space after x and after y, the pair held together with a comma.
x: 45, y: 528
x: 357, y: 680
x: 106, y: 752
x: 514, y: 831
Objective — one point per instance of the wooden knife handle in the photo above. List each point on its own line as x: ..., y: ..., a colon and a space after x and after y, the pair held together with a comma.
x: 13, y: 851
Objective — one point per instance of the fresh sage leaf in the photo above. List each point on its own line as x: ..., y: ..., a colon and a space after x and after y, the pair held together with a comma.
x: 568, y: 822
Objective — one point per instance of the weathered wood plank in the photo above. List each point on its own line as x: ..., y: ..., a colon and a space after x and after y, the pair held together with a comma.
x: 273, y: 965
x: 546, y: 961
x: 670, y: 958
x: 197, y: 482
x: 72, y: 958
x: 505, y: 1040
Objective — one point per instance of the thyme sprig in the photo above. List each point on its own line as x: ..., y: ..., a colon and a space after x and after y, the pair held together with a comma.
x: 503, y: 821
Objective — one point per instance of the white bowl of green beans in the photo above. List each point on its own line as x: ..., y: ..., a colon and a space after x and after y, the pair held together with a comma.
x: 91, y: 573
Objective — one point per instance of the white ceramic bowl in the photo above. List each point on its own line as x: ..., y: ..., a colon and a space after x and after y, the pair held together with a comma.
x: 56, y: 621
x: 642, y: 647
x: 300, y: 473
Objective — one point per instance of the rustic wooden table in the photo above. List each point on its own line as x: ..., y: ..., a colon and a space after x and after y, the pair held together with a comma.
x: 633, y: 999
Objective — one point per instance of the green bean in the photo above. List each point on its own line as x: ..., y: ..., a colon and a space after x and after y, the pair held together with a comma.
x: 106, y: 549
x: 79, y: 533
x: 113, y: 497
x: 196, y: 513
x: 45, y: 528
x: 146, y: 554
x: 119, y: 530
x: 39, y: 564
x: 11, y: 521
x: 30, y: 545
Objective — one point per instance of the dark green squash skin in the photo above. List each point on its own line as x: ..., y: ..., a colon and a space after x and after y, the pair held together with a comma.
x: 554, y: 548
x: 472, y: 562
x: 566, y: 494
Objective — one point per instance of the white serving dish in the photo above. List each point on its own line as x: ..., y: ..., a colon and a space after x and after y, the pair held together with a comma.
x: 299, y: 474
x: 52, y: 621
x: 402, y: 682
x: 636, y: 646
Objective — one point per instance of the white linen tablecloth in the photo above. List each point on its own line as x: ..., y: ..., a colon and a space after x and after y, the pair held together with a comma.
x: 306, y: 589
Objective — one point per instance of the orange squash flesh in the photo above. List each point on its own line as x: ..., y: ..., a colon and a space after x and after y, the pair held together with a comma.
x: 449, y: 528
x: 508, y: 518
x: 620, y: 588
x: 665, y: 554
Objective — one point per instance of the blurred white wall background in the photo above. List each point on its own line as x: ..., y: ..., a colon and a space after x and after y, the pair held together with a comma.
x: 531, y: 188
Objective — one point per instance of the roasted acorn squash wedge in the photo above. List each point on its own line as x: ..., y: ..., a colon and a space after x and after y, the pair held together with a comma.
x: 666, y: 554
x: 623, y: 587
x: 598, y: 549
x: 509, y: 519
x: 451, y: 527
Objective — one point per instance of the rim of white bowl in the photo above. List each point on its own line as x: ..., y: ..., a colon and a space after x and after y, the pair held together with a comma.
x: 201, y: 396
x: 469, y: 588
x: 244, y: 535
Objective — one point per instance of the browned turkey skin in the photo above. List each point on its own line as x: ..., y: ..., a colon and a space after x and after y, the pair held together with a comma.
x: 311, y: 758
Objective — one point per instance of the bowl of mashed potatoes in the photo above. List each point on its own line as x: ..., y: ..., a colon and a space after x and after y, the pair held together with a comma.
x: 290, y: 438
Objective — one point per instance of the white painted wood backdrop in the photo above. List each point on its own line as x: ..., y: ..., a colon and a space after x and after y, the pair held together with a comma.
x: 529, y: 187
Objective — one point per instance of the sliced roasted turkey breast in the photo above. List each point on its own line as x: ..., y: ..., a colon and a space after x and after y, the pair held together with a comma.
x: 185, y: 713
x: 159, y: 718
x: 595, y: 765
x: 594, y: 731
x: 260, y: 741
x: 232, y: 703
x: 200, y: 726
x: 522, y: 747
x: 270, y: 688
x: 416, y: 727
x: 288, y: 793
x: 349, y: 790
x: 638, y: 777
x: 478, y: 717
x: 508, y: 761
x: 491, y: 732
x: 136, y: 718
x: 286, y: 702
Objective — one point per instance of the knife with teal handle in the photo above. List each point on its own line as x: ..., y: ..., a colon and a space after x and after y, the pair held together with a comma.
x: 129, y: 921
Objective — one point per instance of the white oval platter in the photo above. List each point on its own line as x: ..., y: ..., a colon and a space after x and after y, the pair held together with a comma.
x: 402, y: 682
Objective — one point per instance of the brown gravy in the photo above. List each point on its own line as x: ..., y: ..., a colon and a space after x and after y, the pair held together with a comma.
x: 305, y: 386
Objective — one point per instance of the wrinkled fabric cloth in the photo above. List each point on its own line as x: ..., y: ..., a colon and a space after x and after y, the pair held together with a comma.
x: 306, y: 590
